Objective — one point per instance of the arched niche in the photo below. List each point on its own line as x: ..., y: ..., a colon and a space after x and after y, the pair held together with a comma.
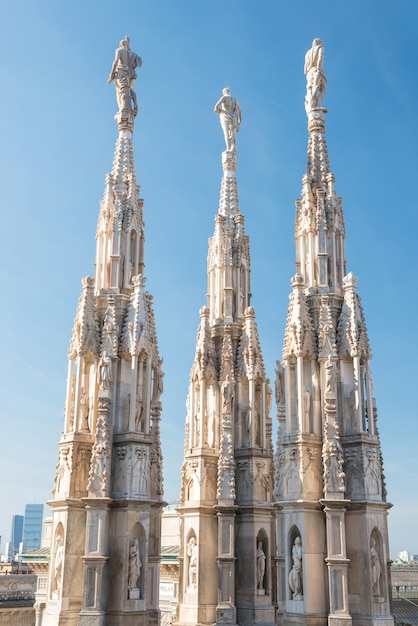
x: 191, y: 561
x: 262, y: 562
x: 376, y: 564
x: 57, y: 561
x: 295, y: 576
x: 136, y: 562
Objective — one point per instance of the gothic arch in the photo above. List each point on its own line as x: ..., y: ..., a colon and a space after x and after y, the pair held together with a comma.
x: 262, y: 563
x: 376, y: 563
x: 295, y: 569
x: 293, y: 533
x: 58, y: 561
x: 190, y: 561
x: 136, y: 559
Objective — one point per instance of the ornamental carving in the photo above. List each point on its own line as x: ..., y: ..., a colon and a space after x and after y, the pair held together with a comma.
x: 354, y: 471
x: 98, y: 481
x: 352, y: 331
x: 373, y: 472
x: 291, y: 471
x: 63, y: 469
x: 226, y: 469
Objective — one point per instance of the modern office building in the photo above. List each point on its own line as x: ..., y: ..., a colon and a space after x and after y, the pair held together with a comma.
x: 32, y: 527
x: 16, y: 534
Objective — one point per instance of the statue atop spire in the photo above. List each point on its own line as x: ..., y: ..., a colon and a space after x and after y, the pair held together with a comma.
x: 316, y: 83
x: 123, y: 75
x: 229, y: 113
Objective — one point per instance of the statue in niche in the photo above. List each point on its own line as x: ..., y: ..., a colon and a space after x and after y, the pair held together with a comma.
x: 123, y: 75
x: 261, y: 565
x: 291, y: 471
x: 247, y: 421
x: 295, y: 576
x: 135, y: 565
x: 139, y: 409
x: 85, y: 410
x: 105, y: 371
x: 227, y: 396
x: 316, y: 82
x: 257, y: 422
x: 229, y: 113
x: 59, y: 556
x: 158, y: 382
x: 306, y: 405
x: 269, y: 395
x: 142, y: 470
x: 353, y: 412
x: 333, y: 466
x: 331, y: 371
x: 306, y: 220
x: 196, y: 425
x: 192, y: 549
x: 205, y: 428
x: 279, y: 383
x: 376, y: 568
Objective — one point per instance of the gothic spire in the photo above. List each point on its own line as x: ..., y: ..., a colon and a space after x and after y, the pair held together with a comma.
x: 228, y: 448
x: 109, y: 472
x: 319, y: 226
x: 328, y: 446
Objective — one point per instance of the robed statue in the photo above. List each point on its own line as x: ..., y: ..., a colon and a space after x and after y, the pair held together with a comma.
x: 316, y: 83
x: 123, y: 75
x: 229, y: 113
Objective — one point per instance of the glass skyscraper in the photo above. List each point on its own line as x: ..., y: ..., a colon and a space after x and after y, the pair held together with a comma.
x: 17, y: 533
x: 32, y: 527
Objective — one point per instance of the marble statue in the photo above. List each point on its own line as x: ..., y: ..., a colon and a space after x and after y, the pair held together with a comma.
x: 229, y: 113
x: 139, y: 409
x: 306, y: 404
x: 123, y: 75
x: 85, y: 408
x: 261, y: 565
x: 58, y: 565
x: 376, y: 568
x: 316, y: 82
x: 192, y: 554
x: 105, y: 372
x: 158, y: 382
x: 134, y: 565
x: 331, y: 372
x: 295, y: 576
x: 227, y: 395
x: 279, y: 383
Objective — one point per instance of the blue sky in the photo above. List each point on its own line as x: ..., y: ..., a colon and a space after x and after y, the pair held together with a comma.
x: 57, y: 142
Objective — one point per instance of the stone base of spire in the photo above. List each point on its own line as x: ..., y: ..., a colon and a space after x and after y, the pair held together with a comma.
x: 229, y: 160
x: 125, y: 120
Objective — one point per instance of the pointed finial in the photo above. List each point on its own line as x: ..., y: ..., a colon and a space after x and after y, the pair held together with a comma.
x: 123, y: 75
x: 316, y: 83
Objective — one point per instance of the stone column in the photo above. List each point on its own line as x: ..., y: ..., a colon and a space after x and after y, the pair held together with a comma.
x: 226, y: 610
x: 225, y: 510
x: 335, y: 504
x: 97, y: 504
